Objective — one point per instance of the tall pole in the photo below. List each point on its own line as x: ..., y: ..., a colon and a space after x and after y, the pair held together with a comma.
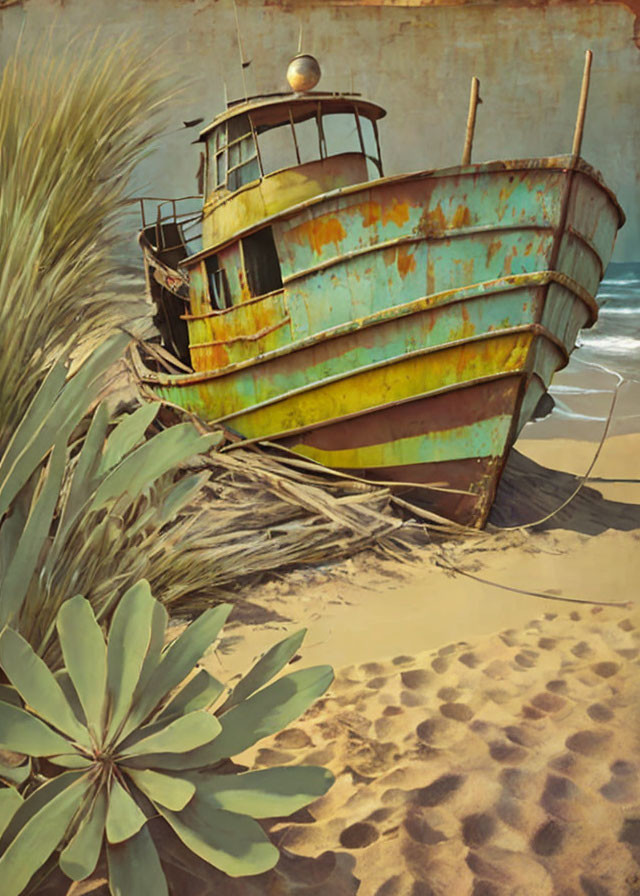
x: 582, y: 105
x: 474, y: 99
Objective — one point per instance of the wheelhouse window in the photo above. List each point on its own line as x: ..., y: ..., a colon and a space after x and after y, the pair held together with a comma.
x: 233, y: 155
x: 219, y: 292
x: 277, y: 149
x: 314, y: 133
x: 252, y: 145
x: 370, y: 145
x: 261, y: 262
x: 340, y: 132
x: 307, y: 140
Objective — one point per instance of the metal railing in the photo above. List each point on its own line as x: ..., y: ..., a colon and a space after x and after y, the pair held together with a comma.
x: 157, y: 212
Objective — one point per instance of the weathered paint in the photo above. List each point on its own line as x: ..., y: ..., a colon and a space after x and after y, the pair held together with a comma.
x: 402, y: 291
x: 226, y: 213
x: 239, y: 334
x: 383, y: 384
x: 486, y: 438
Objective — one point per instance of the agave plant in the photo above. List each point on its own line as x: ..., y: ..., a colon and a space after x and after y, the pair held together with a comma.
x: 122, y: 745
x: 80, y: 517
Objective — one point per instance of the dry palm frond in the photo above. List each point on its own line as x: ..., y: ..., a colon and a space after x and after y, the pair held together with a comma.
x: 259, y: 510
x: 72, y: 129
x: 258, y: 514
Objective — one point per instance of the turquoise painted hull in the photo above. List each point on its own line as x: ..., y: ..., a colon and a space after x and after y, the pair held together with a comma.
x: 421, y: 319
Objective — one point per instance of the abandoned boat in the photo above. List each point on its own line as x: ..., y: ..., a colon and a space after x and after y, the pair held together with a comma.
x: 401, y: 329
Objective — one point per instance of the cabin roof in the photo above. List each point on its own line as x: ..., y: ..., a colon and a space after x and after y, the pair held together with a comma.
x: 273, y: 109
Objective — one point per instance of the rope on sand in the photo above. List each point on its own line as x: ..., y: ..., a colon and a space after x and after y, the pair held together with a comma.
x: 583, y: 479
x: 573, y: 600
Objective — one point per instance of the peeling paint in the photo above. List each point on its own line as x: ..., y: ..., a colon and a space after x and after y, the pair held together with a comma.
x: 406, y: 261
x: 398, y: 212
x: 432, y: 222
x: 461, y: 217
x: 319, y: 232
x: 494, y: 246
x: 371, y: 213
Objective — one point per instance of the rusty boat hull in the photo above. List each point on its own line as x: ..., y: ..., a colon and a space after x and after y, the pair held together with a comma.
x: 420, y: 320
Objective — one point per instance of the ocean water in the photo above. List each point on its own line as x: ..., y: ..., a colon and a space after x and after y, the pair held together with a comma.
x: 606, y: 355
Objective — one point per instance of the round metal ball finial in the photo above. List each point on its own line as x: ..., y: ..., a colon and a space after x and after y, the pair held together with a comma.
x: 303, y: 73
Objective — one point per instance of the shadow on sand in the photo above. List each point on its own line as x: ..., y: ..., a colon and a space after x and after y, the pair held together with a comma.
x: 529, y: 491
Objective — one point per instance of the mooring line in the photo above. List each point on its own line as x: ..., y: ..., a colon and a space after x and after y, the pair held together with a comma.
x: 571, y: 600
x: 585, y: 477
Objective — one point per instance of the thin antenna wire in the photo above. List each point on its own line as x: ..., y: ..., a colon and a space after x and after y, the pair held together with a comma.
x: 226, y: 95
x: 300, y: 40
x: 242, y: 62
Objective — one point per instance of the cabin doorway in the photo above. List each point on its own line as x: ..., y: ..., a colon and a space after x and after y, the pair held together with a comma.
x: 261, y: 263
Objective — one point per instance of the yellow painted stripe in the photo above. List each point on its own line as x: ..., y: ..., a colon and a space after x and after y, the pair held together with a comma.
x: 394, y: 382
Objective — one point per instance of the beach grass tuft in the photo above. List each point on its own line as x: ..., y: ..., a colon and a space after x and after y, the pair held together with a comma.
x: 73, y: 126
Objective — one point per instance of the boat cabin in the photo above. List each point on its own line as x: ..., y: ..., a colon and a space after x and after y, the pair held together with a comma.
x: 264, y: 155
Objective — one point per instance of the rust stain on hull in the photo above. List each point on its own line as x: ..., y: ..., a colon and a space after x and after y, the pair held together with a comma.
x: 320, y: 232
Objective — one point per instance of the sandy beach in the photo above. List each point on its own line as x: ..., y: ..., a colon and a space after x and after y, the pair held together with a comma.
x: 485, y: 741
x: 374, y: 607
x: 483, y: 725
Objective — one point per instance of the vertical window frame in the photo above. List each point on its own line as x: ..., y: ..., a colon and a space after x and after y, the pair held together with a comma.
x: 217, y: 284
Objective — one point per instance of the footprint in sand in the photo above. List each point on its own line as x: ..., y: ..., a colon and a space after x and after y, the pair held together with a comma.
x: 488, y: 769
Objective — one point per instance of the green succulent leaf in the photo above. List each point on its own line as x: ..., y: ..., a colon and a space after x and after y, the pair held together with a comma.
x: 8, y: 694
x: 71, y: 760
x: 129, y: 638
x: 64, y: 680
x: 80, y: 856
x: 173, y: 793
x: 134, y: 867
x: 36, y: 413
x: 82, y: 481
x: 85, y: 657
x: 267, y: 793
x: 186, y: 733
x: 159, y: 620
x: 265, y: 669
x: 24, y: 561
x: 40, y: 834
x: 126, y: 435
x: 182, y: 492
x: 124, y: 815
x: 233, y: 843
x: 24, y: 733
x: 37, y: 686
x: 35, y: 435
x: 10, y: 800
x: 200, y: 692
x: 151, y: 460
x: 178, y: 660
x: 268, y: 711
x: 10, y: 533
x: 15, y: 774
x: 87, y: 465
x: 36, y: 800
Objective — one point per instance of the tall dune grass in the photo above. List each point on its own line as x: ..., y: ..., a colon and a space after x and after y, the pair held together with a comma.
x: 72, y: 128
x: 71, y: 132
